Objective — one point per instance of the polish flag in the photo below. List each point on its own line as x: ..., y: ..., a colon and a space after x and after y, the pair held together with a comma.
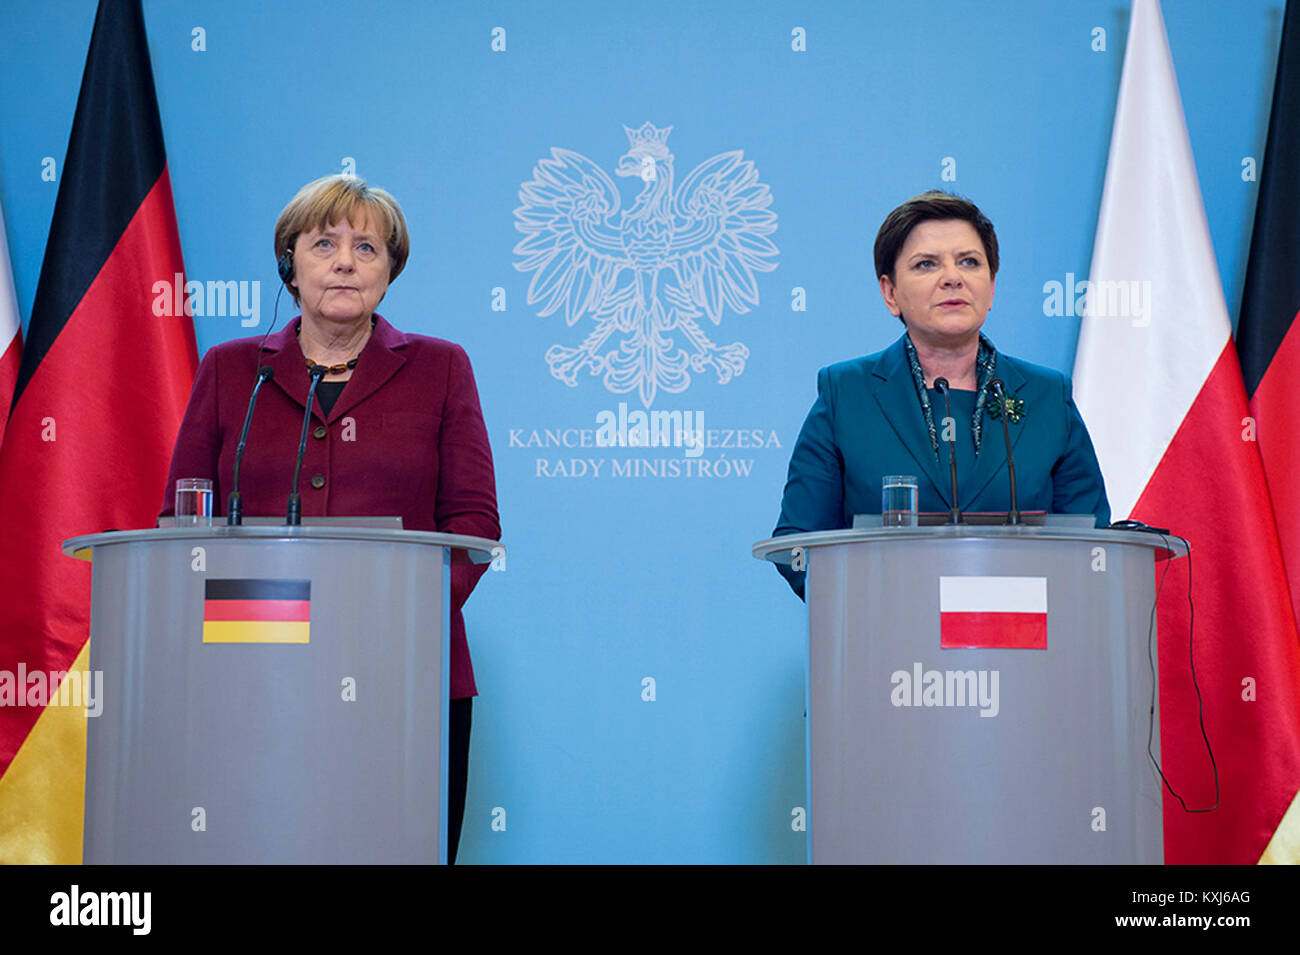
x: 11, y: 336
x: 1161, y: 390
x: 993, y: 612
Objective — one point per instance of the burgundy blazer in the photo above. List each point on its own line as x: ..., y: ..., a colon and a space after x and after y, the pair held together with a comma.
x: 418, y: 447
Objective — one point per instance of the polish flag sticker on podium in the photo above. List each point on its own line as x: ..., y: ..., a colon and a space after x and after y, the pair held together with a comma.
x: 993, y: 612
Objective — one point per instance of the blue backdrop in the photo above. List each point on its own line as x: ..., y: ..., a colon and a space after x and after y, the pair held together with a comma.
x: 642, y: 677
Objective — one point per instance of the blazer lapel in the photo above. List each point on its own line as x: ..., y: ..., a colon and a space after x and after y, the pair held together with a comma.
x: 285, y: 358
x: 992, y: 456
x: 895, y: 393
x: 378, y: 362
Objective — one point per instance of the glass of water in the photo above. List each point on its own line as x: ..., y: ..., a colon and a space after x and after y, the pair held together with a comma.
x: 898, y: 497
x: 194, y: 502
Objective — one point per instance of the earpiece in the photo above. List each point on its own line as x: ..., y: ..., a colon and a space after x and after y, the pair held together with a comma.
x: 285, y: 266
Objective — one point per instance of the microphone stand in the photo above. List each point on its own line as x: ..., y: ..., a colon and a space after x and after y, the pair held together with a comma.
x: 1013, y: 515
x: 293, y: 516
x: 954, y: 516
x: 234, y: 505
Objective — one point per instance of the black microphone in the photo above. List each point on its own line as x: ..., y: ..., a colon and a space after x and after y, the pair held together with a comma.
x: 234, y: 506
x: 294, y: 515
x: 941, y: 384
x: 1013, y: 515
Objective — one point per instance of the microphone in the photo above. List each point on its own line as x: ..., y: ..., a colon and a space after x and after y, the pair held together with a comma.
x: 1013, y: 515
x: 941, y: 384
x: 293, y: 517
x: 234, y: 506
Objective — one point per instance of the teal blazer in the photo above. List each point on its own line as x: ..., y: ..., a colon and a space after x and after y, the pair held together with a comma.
x: 867, y: 422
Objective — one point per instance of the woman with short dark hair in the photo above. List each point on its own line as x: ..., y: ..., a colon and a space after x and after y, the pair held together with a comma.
x: 936, y: 260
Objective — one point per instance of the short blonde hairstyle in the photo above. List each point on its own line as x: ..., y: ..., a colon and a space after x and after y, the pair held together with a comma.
x: 333, y: 199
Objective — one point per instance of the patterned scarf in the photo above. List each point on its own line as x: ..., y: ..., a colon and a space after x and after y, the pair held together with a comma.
x: 984, y: 368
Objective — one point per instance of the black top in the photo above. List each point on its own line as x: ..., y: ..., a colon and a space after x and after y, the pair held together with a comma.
x: 327, y: 392
x: 963, y: 407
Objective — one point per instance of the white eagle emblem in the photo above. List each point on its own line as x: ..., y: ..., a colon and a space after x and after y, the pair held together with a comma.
x: 645, y: 274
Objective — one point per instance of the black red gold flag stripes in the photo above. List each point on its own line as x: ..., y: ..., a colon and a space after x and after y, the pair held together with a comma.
x: 257, y: 611
x: 1268, y: 333
x: 100, y: 394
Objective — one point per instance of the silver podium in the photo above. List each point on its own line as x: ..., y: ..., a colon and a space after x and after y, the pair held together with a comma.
x: 270, y: 694
x: 981, y: 694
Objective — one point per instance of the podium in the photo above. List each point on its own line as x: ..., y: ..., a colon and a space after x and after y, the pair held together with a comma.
x: 270, y: 694
x: 1022, y: 740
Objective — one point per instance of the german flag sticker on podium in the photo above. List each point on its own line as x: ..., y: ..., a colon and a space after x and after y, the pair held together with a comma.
x: 256, y: 611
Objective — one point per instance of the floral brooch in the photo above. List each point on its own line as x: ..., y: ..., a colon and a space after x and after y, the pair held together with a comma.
x: 1014, y: 406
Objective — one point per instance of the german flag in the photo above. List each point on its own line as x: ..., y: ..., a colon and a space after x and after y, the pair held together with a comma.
x: 257, y: 611
x: 101, y: 390
x: 1268, y: 334
x: 1268, y: 338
